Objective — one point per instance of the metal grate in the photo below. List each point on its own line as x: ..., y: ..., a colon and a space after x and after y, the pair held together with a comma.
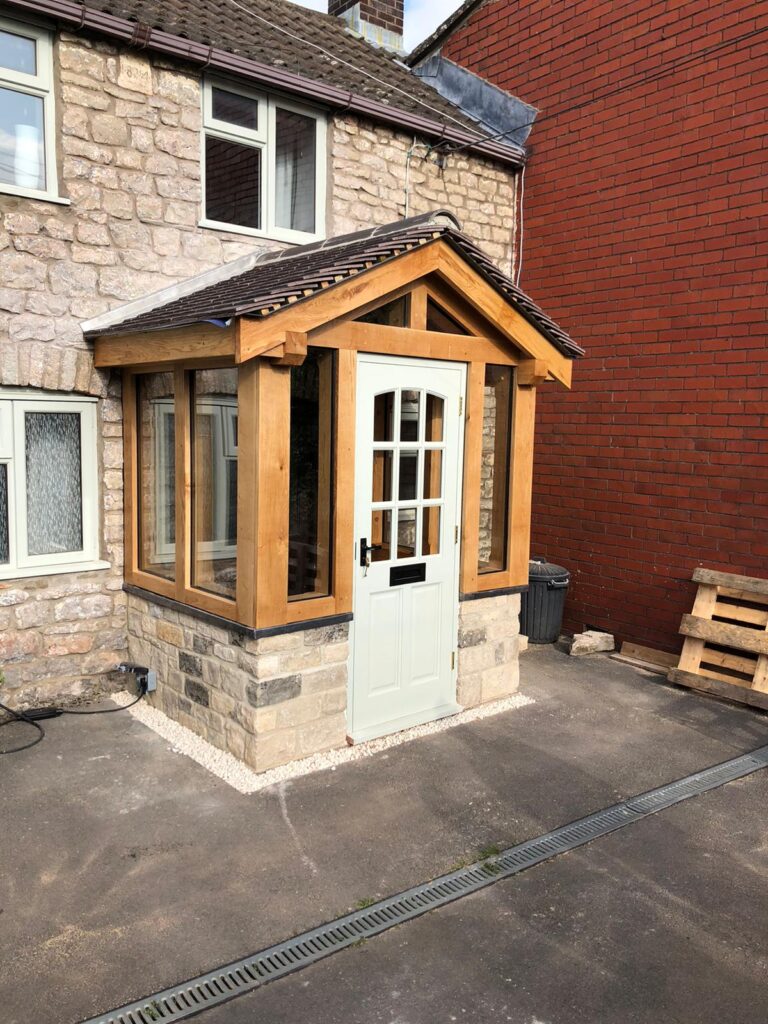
x: 235, y: 979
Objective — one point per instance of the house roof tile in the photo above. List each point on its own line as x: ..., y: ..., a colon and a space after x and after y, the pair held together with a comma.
x: 287, y: 36
x: 278, y: 279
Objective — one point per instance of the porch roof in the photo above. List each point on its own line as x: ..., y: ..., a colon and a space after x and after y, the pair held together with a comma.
x: 275, y: 280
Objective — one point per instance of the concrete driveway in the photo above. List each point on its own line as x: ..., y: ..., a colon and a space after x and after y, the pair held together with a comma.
x: 126, y: 868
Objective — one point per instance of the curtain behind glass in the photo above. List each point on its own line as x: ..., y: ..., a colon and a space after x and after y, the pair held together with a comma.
x: 295, y: 157
x: 54, y: 484
x: 4, y: 543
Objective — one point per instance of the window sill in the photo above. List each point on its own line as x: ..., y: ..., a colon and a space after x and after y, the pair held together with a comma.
x: 31, y: 193
x: 290, y: 237
x: 52, y: 570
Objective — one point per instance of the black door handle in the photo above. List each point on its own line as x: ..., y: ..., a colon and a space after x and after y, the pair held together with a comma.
x: 365, y: 547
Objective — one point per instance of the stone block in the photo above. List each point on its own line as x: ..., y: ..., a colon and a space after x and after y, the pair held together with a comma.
x: 591, y: 642
x: 337, y: 634
x: 472, y: 637
x: 499, y: 682
x: 170, y: 634
x: 330, y: 678
x: 323, y: 734
x: 134, y: 73
x: 196, y: 692
x: 190, y: 664
x: 89, y: 607
x: 262, y: 693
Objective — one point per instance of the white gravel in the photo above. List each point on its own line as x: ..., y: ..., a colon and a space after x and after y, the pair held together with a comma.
x: 246, y: 780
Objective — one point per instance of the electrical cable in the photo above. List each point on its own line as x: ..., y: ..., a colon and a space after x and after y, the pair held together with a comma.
x: 20, y: 716
x: 31, y: 716
x: 660, y: 72
x: 354, y: 67
x: 102, y: 711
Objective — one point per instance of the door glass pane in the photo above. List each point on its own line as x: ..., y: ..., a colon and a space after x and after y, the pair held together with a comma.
x: 433, y: 473
x: 381, y: 535
x: 430, y: 531
x: 236, y: 109
x: 214, y: 481
x: 17, y: 53
x: 494, y: 480
x: 157, y: 474
x: 54, y: 482
x: 232, y: 182
x: 410, y: 402
x: 406, y: 532
x: 409, y: 468
x: 382, y: 476
x: 311, y: 475
x: 22, y: 146
x: 4, y: 543
x: 383, y: 416
x: 433, y: 428
x: 295, y: 170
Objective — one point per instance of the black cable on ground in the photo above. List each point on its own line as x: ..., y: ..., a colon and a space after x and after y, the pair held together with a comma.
x: 31, y: 716
x: 20, y: 716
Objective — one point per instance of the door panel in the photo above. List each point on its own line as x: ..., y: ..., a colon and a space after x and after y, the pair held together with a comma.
x: 408, y: 481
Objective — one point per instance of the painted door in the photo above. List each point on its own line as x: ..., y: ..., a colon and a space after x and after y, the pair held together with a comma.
x: 407, y: 513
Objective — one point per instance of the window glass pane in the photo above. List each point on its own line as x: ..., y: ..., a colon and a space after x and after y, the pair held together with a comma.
x: 54, y: 483
x: 382, y: 476
x: 391, y: 314
x: 22, y: 146
x: 433, y: 473
x: 234, y: 108
x: 494, y: 486
x: 17, y: 53
x: 408, y: 482
x: 409, y: 415
x: 433, y: 427
x: 214, y: 481
x: 406, y: 532
x: 383, y: 416
x: 232, y: 182
x: 157, y: 474
x: 311, y: 475
x: 439, y: 320
x: 4, y: 542
x: 295, y: 146
x: 430, y: 531
x: 381, y: 535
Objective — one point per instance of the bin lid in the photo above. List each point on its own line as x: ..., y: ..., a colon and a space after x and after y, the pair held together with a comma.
x: 541, y: 569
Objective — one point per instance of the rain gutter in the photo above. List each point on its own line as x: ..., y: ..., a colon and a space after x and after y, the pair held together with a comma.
x: 142, y: 36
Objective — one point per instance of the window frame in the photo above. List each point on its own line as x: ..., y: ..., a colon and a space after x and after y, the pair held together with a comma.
x: 21, y: 564
x: 41, y: 86
x: 264, y: 139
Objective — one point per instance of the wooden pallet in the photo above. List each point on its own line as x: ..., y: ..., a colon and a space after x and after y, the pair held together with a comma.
x: 726, y: 638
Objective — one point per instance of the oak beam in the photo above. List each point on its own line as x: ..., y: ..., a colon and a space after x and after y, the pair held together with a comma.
x: 198, y: 341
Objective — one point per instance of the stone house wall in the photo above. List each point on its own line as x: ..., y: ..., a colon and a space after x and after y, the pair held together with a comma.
x: 128, y: 149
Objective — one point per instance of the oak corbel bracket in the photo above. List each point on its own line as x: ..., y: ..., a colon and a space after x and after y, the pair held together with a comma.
x: 531, y: 373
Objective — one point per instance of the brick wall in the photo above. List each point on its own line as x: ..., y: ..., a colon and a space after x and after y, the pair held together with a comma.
x: 387, y: 14
x: 645, y: 236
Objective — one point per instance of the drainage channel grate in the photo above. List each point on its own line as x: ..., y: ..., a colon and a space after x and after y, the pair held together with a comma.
x: 235, y: 979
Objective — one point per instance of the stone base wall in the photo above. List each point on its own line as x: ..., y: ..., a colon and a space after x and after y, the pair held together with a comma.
x: 267, y: 701
x: 276, y: 699
x: 489, y: 645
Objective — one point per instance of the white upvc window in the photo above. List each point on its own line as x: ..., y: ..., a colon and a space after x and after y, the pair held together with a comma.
x: 49, y: 515
x: 263, y: 164
x: 27, y: 121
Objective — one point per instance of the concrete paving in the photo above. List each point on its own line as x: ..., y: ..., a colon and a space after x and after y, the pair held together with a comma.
x: 126, y: 867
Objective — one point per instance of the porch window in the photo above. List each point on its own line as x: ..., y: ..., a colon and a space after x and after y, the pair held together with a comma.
x: 311, y: 490
x: 48, y: 485
x: 214, y: 481
x: 157, y: 474
x: 264, y: 164
x: 27, y: 147
x: 494, y: 473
